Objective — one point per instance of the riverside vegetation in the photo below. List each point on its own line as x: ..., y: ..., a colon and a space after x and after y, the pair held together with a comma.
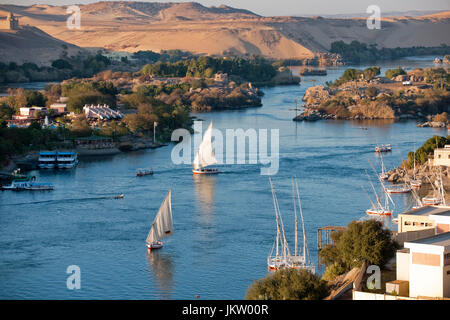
x: 164, y: 92
x: 361, y: 241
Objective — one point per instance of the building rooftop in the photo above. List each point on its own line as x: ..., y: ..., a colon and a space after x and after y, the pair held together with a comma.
x: 442, y: 240
x: 429, y: 210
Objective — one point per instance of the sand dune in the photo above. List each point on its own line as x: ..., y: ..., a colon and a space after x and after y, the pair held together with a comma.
x: 133, y: 26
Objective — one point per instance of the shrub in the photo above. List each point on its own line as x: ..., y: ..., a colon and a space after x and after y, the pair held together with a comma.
x: 288, y: 284
x: 371, y: 91
x: 392, y: 73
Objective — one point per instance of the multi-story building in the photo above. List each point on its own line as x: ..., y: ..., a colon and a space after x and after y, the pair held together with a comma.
x: 442, y: 156
x: 425, y: 265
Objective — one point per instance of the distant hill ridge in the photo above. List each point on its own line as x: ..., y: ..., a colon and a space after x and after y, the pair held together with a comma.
x: 190, y: 26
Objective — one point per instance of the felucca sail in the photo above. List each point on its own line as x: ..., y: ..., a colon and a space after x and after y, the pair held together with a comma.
x: 205, y: 154
x: 162, y: 226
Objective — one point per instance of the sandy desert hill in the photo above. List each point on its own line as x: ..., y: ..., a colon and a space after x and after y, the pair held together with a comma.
x: 133, y: 26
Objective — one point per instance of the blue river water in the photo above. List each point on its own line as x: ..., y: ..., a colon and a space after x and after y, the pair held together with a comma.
x: 224, y: 224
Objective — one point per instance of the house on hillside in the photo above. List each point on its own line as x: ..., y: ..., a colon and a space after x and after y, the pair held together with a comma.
x: 10, y: 22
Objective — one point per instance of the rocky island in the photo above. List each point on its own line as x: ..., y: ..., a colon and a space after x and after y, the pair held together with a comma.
x: 361, y: 94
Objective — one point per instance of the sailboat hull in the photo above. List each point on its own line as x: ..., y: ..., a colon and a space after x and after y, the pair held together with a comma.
x: 154, y: 246
x: 378, y: 212
x: 205, y: 171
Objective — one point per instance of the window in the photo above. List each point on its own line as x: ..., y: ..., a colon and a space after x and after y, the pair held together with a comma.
x: 407, y: 223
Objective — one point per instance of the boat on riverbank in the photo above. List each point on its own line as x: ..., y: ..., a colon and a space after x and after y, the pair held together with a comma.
x: 383, y: 175
x: 162, y: 226
x: 378, y: 208
x: 205, y: 155
x: 398, y: 189
x: 66, y: 159
x: 282, y: 257
x: 47, y: 160
x: 95, y: 146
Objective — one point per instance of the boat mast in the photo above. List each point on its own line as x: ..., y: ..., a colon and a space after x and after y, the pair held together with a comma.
x: 305, y: 242
x: 295, y: 218
x: 276, y: 217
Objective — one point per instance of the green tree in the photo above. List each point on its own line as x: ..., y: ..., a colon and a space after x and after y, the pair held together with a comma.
x: 392, y: 73
x: 288, y: 284
x: 366, y: 241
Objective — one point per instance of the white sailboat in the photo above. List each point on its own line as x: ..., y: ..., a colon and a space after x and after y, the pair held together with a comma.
x: 383, y: 175
x: 414, y: 182
x: 278, y: 260
x: 205, y: 155
x: 402, y: 188
x: 378, y: 208
x: 439, y: 192
x: 282, y: 257
x: 300, y: 260
x: 162, y: 226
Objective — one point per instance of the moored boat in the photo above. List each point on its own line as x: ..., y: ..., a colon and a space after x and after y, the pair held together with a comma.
x: 66, y: 159
x: 47, y: 159
x: 398, y: 189
x: 282, y: 257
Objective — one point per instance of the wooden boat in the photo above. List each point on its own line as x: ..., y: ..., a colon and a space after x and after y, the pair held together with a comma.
x: 414, y: 182
x: 398, y: 189
x: 162, y: 226
x: 282, y: 257
x: 144, y: 172
x: 383, y: 175
x: 300, y: 260
x: 380, y: 209
x: 279, y: 259
x: 439, y: 193
x: 383, y: 148
x: 205, y: 155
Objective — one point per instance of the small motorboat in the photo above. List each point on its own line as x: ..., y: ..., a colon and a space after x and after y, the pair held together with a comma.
x: 119, y: 196
x: 383, y: 148
x: 144, y: 172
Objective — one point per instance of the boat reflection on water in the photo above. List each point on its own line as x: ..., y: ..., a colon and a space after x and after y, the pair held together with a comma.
x: 162, y: 267
x: 205, y: 188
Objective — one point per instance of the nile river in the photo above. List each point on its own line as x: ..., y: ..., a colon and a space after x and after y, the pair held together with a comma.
x: 224, y: 224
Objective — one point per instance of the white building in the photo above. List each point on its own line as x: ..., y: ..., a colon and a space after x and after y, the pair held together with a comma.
x: 59, y: 107
x: 442, y: 156
x: 101, y: 112
x: 425, y: 264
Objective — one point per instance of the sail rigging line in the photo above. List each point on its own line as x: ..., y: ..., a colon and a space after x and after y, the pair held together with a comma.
x: 305, y: 242
x: 295, y: 218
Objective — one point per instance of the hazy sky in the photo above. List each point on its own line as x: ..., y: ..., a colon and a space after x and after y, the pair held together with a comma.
x: 290, y: 7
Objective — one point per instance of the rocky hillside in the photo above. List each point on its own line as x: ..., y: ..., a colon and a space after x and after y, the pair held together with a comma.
x: 133, y: 26
x: 30, y: 44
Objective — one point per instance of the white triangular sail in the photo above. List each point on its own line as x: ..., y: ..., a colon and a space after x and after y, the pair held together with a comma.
x: 162, y: 226
x: 205, y: 154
